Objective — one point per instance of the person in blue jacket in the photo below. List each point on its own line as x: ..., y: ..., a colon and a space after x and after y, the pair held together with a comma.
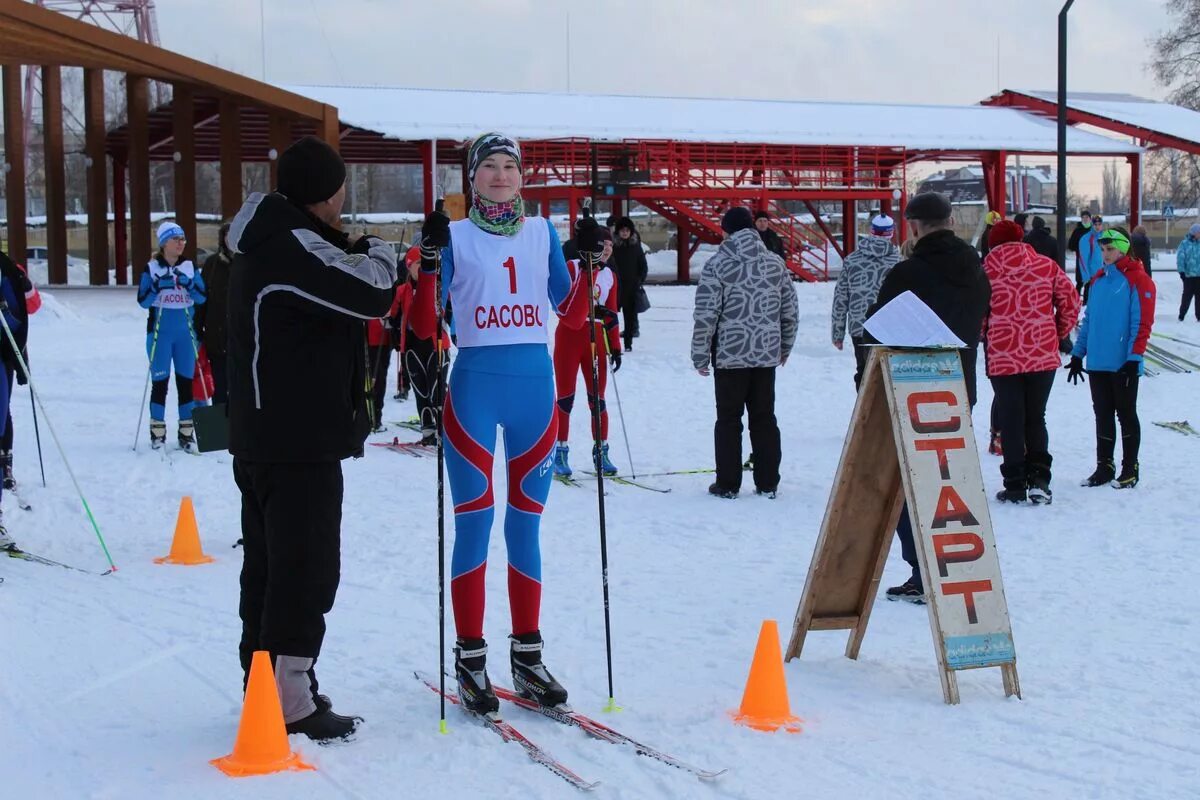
x: 170, y: 288
x: 1187, y: 262
x: 1091, y: 255
x: 1113, y: 337
x: 9, y: 299
x: 503, y: 272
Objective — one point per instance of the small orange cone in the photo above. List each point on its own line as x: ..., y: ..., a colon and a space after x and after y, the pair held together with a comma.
x: 765, y: 704
x: 185, y: 547
x: 262, y: 744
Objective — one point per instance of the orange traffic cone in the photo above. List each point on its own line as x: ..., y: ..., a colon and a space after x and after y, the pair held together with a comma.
x: 765, y: 704
x: 262, y: 744
x: 185, y: 547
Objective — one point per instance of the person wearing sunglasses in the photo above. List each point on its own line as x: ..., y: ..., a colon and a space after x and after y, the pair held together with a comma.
x: 1113, y: 337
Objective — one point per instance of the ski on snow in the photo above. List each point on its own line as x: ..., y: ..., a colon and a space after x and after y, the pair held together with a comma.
x: 623, y: 481
x: 1179, y: 427
x: 49, y: 562
x: 414, y: 449
x: 598, y: 730
x: 509, y: 733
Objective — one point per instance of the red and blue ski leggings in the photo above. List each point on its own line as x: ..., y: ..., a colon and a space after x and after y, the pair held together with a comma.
x: 572, y: 355
x: 476, y: 404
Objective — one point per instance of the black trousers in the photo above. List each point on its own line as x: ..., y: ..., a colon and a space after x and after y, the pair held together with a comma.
x: 291, y: 533
x: 1191, y: 290
x: 6, y: 439
x: 1020, y: 414
x: 380, y: 359
x: 751, y: 389
x: 629, y: 323
x: 220, y: 372
x: 1114, y: 393
x: 421, y: 366
x: 862, y: 352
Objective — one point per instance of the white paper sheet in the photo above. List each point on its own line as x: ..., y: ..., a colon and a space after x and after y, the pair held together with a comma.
x: 908, y: 322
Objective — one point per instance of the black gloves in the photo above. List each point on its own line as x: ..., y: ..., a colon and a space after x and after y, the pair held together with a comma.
x: 1075, y: 370
x: 435, y: 233
x: 182, y: 280
x: 163, y: 282
x: 615, y: 360
x: 1129, y: 370
x: 1065, y: 345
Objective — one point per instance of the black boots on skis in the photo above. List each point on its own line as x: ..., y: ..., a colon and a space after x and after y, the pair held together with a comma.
x: 530, y: 676
x: 187, y: 436
x: 158, y: 434
x: 470, y: 669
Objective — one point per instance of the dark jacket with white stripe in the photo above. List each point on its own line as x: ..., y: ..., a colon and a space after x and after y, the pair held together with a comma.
x: 298, y: 300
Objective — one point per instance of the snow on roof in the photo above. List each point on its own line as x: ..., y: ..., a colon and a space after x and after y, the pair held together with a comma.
x: 417, y: 114
x: 1177, y: 121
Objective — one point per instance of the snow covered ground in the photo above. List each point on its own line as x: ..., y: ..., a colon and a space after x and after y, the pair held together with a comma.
x: 124, y: 686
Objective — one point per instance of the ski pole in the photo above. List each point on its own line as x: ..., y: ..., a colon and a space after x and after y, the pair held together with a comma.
x: 38, y: 436
x: 620, y: 411
x: 50, y: 426
x: 439, y: 403
x: 590, y: 259
x: 149, y: 370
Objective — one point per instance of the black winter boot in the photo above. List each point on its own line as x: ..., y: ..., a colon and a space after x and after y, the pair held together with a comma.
x: 1104, y: 474
x: 1128, y: 477
x: 1014, y: 484
x: 1037, y: 475
x: 470, y: 668
x: 530, y: 676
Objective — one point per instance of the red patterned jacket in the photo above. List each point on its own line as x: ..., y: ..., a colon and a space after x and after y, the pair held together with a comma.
x: 1034, y: 305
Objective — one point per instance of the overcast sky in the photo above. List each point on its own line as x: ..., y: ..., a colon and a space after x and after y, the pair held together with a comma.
x: 907, y: 51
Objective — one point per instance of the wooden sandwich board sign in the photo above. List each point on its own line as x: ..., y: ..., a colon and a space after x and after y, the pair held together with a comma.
x: 911, y: 439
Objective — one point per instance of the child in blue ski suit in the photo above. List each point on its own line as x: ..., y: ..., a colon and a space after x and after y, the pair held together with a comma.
x: 170, y: 287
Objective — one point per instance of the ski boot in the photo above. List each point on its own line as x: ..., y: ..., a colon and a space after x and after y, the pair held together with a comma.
x: 6, y: 459
x: 1104, y: 474
x: 530, y: 677
x: 561, y: 467
x: 600, y: 453
x: 6, y: 541
x: 910, y: 591
x: 158, y: 434
x: 470, y: 668
x: 1014, y: 490
x: 187, y: 436
x: 428, y: 437
x: 1128, y: 477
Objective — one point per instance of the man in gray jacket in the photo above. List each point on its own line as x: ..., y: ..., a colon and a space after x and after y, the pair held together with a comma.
x: 745, y: 326
x: 858, y: 285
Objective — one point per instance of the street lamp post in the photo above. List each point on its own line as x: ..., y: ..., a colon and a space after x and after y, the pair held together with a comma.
x: 1062, y: 133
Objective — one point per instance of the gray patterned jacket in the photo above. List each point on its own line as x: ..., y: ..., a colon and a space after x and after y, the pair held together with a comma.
x: 746, y: 310
x: 859, y: 282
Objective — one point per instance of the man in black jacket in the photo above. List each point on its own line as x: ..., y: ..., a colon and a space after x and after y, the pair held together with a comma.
x: 299, y: 293
x: 945, y: 273
x: 1041, y: 240
x: 762, y: 222
x: 1081, y: 228
x: 631, y: 268
x: 211, y: 317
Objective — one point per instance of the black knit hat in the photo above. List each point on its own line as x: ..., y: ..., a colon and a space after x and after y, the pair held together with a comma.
x: 310, y: 171
x: 737, y: 219
x: 761, y: 215
x: 929, y: 207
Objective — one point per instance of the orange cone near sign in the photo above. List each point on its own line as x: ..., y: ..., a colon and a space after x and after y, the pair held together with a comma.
x: 262, y: 744
x: 185, y: 547
x: 765, y: 705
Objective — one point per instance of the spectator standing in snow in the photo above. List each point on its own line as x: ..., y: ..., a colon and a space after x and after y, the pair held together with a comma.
x: 299, y: 292
x: 1113, y: 337
x: 1139, y: 247
x: 1091, y: 255
x: 858, y: 285
x: 989, y: 222
x: 1033, y: 306
x: 28, y: 301
x: 744, y: 327
x: 762, y: 221
x: 1187, y: 262
x: 944, y: 272
x: 631, y: 269
x: 211, y: 318
x: 1082, y: 228
x: 1041, y: 240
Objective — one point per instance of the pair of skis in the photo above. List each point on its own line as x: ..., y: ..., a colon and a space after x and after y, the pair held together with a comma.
x: 414, y: 449
x: 570, y: 480
x: 16, y: 552
x: 566, y: 716
x: 1179, y: 427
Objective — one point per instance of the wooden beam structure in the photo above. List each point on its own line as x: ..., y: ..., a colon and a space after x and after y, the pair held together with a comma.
x: 97, y: 175
x: 279, y: 136
x: 14, y: 161
x: 231, y: 160
x: 137, y: 95
x: 185, y: 166
x: 54, y: 165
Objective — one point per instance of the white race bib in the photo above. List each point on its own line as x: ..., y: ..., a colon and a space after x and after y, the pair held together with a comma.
x: 175, y: 296
x: 500, y: 288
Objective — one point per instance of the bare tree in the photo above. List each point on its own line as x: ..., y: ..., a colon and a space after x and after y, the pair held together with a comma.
x: 1176, y: 67
x: 1114, y: 196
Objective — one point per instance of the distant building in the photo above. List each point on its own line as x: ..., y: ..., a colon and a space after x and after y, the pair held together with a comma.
x: 965, y: 184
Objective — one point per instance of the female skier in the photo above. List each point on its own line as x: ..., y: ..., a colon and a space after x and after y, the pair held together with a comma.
x: 573, y: 351
x: 501, y: 271
x: 169, y: 288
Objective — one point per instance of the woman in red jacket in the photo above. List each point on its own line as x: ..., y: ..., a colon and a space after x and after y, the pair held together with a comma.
x: 1033, y: 307
x: 573, y: 354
